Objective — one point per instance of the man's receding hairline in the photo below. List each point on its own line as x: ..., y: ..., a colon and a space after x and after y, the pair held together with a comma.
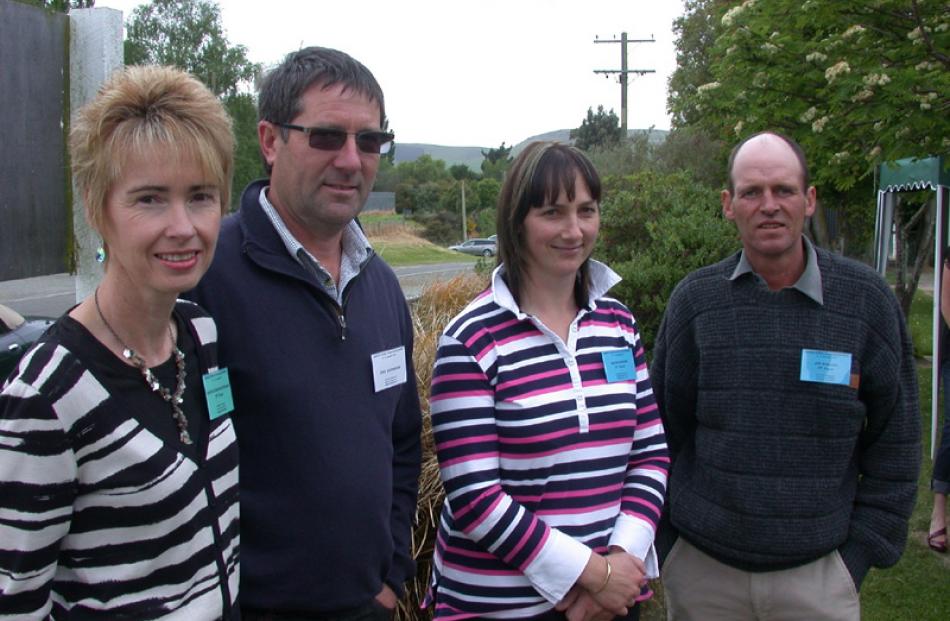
x: 773, y: 137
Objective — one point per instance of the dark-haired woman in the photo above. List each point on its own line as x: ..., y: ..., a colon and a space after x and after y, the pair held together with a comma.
x: 551, y: 449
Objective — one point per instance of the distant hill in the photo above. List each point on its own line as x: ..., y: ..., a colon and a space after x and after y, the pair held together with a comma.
x: 472, y: 156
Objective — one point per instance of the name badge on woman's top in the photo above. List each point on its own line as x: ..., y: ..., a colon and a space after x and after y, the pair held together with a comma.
x: 389, y: 368
x: 618, y: 365
x: 218, y: 392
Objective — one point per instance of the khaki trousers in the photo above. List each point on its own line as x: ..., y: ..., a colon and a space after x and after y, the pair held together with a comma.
x: 698, y: 587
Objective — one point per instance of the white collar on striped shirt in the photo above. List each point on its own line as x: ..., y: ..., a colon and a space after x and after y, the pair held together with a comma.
x: 602, y: 278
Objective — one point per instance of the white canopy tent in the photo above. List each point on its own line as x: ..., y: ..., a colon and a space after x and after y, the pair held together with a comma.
x: 905, y: 176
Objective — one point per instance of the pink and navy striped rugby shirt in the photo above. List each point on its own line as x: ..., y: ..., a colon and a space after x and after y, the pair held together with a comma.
x: 543, y: 460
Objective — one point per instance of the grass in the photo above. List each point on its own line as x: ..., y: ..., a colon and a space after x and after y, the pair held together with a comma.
x: 398, y: 254
x: 396, y: 240
x: 917, y: 587
x: 921, y: 323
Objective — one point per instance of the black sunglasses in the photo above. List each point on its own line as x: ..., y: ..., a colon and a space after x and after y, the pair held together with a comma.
x: 331, y: 139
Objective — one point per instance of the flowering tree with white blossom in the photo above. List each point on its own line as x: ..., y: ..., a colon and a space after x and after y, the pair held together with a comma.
x: 856, y: 82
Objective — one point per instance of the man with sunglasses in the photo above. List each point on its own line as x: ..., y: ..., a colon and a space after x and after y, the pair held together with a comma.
x: 317, y: 337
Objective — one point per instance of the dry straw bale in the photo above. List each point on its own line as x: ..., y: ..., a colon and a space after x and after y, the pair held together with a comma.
x: 437, y: 305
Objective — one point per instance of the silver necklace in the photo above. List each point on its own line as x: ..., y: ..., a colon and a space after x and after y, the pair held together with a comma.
x: 174, y: 398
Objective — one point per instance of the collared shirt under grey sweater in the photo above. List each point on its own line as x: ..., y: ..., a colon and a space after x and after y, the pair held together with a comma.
x: 769, y: 471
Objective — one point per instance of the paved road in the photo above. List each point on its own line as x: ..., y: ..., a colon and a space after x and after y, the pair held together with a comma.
x: 414, y: 278
x: 51, y: 296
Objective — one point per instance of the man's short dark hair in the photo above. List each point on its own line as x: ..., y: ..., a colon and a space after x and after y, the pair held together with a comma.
x: 796, y: 149
x: 282, y: 88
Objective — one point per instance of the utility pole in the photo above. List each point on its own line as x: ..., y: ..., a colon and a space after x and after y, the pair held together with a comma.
x: 464, y: 219
x: 624, y: 72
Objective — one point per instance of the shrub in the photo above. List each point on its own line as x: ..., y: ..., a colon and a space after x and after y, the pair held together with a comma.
x: 655, y: 229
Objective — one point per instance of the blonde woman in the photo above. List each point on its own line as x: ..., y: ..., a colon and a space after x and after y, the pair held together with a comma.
x: 118, y: 463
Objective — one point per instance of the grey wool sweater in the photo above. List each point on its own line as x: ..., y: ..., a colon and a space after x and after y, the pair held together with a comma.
x: 770, y: 471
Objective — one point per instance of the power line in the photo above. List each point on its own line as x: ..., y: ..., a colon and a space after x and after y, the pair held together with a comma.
x: 624, y: 72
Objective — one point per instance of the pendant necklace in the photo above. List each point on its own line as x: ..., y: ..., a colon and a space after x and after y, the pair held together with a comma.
x: 173, y: 398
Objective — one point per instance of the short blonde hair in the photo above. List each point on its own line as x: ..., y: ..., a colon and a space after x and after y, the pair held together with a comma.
x: 138, y: 109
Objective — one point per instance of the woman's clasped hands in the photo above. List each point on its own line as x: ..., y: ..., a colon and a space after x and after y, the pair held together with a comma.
x: 606, y: 588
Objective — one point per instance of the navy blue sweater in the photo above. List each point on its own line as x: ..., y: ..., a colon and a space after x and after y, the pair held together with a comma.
x: 329, y: 467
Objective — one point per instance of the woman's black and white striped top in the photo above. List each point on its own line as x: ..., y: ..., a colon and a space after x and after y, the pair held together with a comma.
x: 104, y: 513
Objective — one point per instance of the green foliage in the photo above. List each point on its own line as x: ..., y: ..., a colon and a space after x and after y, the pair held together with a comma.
x: 487, y: 222
x: 424, y: 169
x: 188, y: 34
x: 441, y: 227
x: 483, y: 194
x: 623, y: 158
x: 601, y: 129
x: 655, y: 229
x: 920, y: 323
x: 387, y: 178
x: 461, y: 172
x: 496, y: 162
x: 497, y: 155
x: 696, y: 32
x: 855, y: 82
x: 691, y: 150
x: 61, y: 6
x: 247, y: 154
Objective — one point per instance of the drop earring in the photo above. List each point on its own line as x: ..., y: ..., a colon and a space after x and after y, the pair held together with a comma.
x: 100, y: 254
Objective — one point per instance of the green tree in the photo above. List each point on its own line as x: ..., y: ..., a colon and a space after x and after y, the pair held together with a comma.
x: 496, y: 162
x: 462, y: 172
x: 691, y: 150
x: 600, y: 129
x: 387, y: 177
x: 247, y: 154
x: 655, y: 229
x: 499, y: 154
x: 423, y: 169
x: 695, y: 33
x: 855, y: 82
x: 188, y: 34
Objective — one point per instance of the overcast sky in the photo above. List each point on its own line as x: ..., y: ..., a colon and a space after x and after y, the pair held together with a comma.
x: 466, y: 73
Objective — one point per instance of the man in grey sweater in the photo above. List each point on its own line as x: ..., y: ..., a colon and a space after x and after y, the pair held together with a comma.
x: 786, y: 381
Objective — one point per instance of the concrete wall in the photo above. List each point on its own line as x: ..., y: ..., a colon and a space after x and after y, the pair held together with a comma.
x: 95, y: 52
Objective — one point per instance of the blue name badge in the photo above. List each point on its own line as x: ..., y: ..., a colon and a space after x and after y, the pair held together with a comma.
x: 218, y: 393
x: 826, y: 367
x: 618, y: 365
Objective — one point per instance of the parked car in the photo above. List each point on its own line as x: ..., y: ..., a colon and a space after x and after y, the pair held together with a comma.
x: 476, y: 246
x: 17, y: 334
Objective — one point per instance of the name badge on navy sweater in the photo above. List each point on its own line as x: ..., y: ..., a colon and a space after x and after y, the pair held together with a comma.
x: 826, y: 367
x: 618, y: 365
x: 389, y: 368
